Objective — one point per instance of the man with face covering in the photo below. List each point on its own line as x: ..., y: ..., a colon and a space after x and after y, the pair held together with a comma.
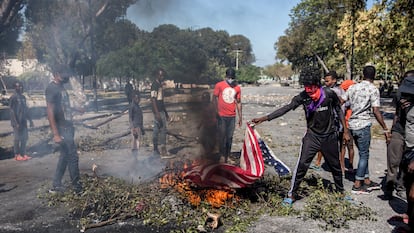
x: 59, y: 114
x: 321, y: 106
x: 227, y: 98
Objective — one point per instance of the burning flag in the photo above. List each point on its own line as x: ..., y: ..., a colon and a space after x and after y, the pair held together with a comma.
x: 251, y: 166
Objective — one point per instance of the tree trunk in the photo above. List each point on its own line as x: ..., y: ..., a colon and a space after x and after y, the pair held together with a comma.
x: 348, y: 66
x: 322, y: 63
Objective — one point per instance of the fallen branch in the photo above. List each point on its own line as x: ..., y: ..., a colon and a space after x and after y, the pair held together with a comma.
x: 96, y: 126
x: 115, y: 137
x: 107, y: 222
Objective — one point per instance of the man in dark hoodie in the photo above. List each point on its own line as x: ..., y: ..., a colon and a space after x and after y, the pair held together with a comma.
x: 407, y: 119
x: 322, y: 107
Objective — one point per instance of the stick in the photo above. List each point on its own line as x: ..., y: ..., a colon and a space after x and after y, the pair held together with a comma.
x: 96, y: 126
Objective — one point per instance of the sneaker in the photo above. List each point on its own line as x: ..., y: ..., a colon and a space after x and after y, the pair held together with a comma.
x: 288, y: 202
x: 167, y: 156
x: 27, y: 157
x: 360, y: 190
x: 402, y: 195
x: 56, y: 190
x: 315, y: 167
x: 19, y: 158
x: 78, y: 192
x: 373, y: 186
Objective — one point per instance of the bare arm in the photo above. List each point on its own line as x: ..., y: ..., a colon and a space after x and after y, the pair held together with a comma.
x: 380, y: 120
x: 215, y: 103
x: 239, y: 111
x: 13, y: 116
x: 52, y: 121
x: 341, y: 117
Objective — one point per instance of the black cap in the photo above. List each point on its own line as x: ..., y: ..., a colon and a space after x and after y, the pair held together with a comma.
x: 231, y: 73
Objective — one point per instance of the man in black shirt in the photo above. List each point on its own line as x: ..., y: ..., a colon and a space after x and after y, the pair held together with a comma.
x: 395, y: 150
x: 19, y: 115
x: 161, y: 117
x: 59, y: 114
x: 129, y: 91
x: 321, y: 107
x: 136, y: 121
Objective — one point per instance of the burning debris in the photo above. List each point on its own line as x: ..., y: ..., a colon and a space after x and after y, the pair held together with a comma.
x: 196, y: 195
x: 173, y: 203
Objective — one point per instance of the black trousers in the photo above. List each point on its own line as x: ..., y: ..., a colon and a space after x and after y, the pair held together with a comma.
x: 311, y: 144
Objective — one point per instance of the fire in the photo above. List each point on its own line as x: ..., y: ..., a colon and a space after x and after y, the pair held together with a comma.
x: 194, y: 195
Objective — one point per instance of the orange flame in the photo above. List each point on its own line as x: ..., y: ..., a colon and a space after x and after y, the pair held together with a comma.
x: 214, y: 197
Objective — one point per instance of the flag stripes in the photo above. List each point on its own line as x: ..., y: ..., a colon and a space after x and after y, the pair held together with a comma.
x: 227, y: 175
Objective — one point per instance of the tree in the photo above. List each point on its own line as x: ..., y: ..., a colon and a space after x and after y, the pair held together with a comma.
x: 383, y: 36
x: 279, y: 70
x: 72, y: 31
x: 248, y: 74
x: 312, y: 33
x: 241, y: 49
x: 11, y: 21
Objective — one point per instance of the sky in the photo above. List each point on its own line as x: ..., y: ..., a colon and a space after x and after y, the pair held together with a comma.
x: 261, y: 21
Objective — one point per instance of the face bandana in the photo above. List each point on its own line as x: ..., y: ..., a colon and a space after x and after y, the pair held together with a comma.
x: 231, y: 81
x: 313, y: 91
x: 317, y: 95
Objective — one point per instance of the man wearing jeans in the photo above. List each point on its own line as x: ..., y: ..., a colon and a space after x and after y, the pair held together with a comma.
x: 364, y: 97
x: 159, y: 135
x: 59, y: 114
x: 227, y: 98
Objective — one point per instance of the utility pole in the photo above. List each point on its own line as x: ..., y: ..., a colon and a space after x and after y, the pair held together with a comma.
x: 352, y: 39
x: 237, y: 57
x: 93, y: 58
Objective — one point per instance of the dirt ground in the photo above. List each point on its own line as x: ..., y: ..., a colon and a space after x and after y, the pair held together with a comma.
x: 21, y: 182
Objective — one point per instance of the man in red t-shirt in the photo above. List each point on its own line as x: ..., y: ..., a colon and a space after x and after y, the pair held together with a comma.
x: 227, y: 98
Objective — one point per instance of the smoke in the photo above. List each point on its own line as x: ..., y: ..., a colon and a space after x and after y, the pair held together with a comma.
x: 132, y: 168
x: 193, y: 14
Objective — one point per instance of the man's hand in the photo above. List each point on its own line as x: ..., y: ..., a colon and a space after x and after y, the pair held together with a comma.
x: 240, y: 122
x: 346, y: 136
x: 57, y: 138
x: 259, y: 120
x: 404, y: 103
x: 387, y: 137
x: 159, y: 121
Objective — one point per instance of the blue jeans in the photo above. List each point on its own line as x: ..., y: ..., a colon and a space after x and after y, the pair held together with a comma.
x: 226, y: 127
x: 68, y: 158
x: 159, y: 133
x: 20, y: 140
x: 362, y: 139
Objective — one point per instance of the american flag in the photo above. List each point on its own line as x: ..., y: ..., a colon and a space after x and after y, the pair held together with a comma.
x: 252, y: 166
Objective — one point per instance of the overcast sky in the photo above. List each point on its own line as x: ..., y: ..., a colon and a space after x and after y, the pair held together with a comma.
x: 261, y: 21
